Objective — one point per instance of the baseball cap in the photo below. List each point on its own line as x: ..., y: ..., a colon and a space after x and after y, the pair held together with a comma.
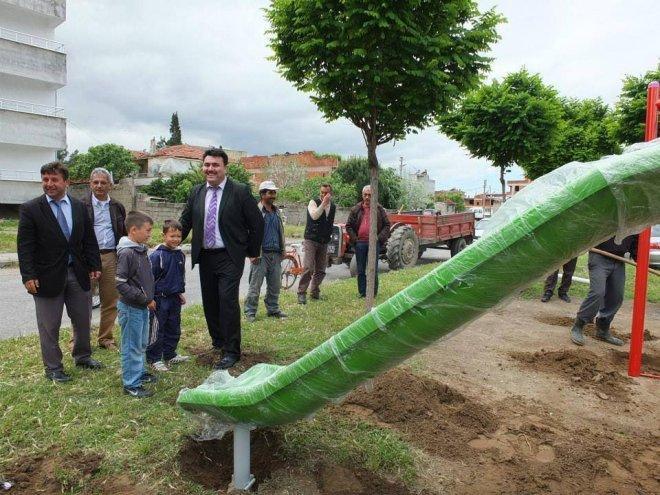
x: 267, y: 185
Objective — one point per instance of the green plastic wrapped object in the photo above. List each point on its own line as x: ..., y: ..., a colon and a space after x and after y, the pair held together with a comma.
x: 557, y: 218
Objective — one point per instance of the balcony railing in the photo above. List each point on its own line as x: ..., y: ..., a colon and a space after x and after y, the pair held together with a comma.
x: 29, y: 39
x: 20, y: 175
x: 22, y: 106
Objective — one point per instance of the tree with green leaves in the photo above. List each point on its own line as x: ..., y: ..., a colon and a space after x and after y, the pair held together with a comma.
x: 113, y: 157
x: 587, y: 132
x: 388, y: 67
x: 355, y: 171
x: 175, y: 130
x: 454, y: 196
x: 630, y: 110
x: 508, y: 122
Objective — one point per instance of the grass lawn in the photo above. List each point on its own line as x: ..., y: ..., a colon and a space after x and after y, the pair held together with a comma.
x: 8, y: 230
x: 142, y: 438
x: 294, y: 231
x: 579, y: 291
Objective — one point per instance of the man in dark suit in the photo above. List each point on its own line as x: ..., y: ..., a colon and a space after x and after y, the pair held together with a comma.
x: 227, y: 226
x: 58, y: 255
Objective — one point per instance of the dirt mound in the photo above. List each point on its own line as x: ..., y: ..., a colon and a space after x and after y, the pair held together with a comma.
x: 54, y: 473
x: 589, y: 328
x: 648, y: 336
x: 210, y: 463
x: 650, y: 360
x: 581, y: 368
x: 429, y: 414
x: 208, y: 357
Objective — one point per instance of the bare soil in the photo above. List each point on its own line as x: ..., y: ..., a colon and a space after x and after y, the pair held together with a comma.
x: 208, y: 357
x: 48, y: 474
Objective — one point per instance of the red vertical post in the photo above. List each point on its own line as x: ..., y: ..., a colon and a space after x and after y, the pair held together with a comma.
x: 642, y: 272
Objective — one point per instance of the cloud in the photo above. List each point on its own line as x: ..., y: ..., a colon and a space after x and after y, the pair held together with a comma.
x: 131, y: 64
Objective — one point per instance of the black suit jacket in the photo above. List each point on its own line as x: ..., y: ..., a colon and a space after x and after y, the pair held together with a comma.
x: 43, y: 251
x: 240, y: 221
x: 117, y: 216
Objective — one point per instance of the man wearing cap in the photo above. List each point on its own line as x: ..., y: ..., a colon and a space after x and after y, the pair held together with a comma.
x: 268, y: 264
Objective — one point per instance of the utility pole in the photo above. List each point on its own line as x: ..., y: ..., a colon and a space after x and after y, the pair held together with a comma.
x: 484, y: 197
x: 401, y: 165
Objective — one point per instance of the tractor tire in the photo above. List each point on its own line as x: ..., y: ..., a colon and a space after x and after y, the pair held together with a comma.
x: 402, y: 248
x: 456, y: 246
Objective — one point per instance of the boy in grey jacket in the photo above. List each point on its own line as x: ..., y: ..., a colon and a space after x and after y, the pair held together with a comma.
x: 135, y: 284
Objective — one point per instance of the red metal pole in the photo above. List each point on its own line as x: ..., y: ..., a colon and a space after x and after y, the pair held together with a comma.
x: 641, y: 274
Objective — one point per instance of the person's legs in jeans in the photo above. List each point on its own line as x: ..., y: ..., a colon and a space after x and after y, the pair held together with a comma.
x: 361, y: 253
x: 155, y: 351
x: 172, y: 332
x: 257, y: 274
x: 273, y: 282
x: 134, y: 326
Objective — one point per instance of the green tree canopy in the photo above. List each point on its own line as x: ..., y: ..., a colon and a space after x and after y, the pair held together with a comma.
x: 586, y: 133
x: 508, y: 122
x: 175, y: 130
x: 456, y: 197
x: 388, y: 67
x: 343, y: 194
x: 630, y: 110
x: 176, y: 188
x: 355, y: 171
x: 115, y: 158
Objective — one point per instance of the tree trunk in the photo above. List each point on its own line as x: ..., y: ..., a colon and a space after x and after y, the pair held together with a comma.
x: 372, y: 259
x: 502, y: 169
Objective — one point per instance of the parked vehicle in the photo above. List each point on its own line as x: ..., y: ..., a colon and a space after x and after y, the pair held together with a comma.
x: 480, y: 228
x: 411, y: 233
x: 654, y: 259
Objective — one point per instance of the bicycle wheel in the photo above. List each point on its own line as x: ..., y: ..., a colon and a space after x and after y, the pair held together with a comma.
x: 289, y: 275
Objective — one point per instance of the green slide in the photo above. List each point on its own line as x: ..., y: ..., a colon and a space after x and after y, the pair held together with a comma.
x: 549, y: 222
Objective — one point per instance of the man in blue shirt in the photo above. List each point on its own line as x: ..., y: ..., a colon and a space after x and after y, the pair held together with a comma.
x: 268, y: 265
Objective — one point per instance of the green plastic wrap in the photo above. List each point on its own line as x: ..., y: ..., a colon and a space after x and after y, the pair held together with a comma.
x: 573, y: 209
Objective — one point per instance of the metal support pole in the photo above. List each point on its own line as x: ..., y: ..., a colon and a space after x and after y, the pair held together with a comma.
x: 641, y: 280
x: 242, y: 479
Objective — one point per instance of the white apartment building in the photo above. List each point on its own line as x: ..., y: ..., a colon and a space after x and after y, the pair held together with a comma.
x: 32, y: 69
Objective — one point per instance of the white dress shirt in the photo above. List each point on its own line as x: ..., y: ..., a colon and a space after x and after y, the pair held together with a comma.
x: 105, y: 236
x: 219, y: 243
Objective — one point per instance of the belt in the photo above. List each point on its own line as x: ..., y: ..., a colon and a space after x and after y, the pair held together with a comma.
x: 106, y: 251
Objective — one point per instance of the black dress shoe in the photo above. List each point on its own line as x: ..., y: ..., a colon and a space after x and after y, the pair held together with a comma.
x: 226, y: 362
x: 279, y: 314
x: 58, y: 376
x: 546, y: 297
x: 90, y: 364
x: 565, y: 297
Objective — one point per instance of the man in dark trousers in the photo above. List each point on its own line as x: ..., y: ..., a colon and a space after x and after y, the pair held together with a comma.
x: 568, y: 269
x: 226, y: 227
x: 607, y: 279
x: 357, y: 227
x: 318, y: 229
x: 107, y: 216
x: 58, y: 255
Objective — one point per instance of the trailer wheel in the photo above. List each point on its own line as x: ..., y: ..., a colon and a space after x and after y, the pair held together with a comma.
x: 402, y: 248
x: 456, y: 246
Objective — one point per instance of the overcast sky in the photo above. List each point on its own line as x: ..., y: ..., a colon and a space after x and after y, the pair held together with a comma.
x: 131, y: 64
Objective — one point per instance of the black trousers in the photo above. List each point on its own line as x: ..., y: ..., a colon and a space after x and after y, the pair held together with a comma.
x: 567, y: 277
x: 219, y: 279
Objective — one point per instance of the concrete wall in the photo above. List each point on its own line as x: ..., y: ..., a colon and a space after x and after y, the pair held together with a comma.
x: 32, y: 130
x: 296, y: 214
x: 28, y: 90
x: 23, y: 60
x: 54, y: 11
x: 17, y: 192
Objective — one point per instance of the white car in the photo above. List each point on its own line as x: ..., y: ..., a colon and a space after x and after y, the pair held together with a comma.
x: 479, y: 227
x: 654, y: 259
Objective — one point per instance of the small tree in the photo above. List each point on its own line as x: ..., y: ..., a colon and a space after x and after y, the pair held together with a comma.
x: 388, y: 67
x: 113, y: 157
x: 631, y: 107
x: 507, y: 123
x: 286, y: 175
x: 355, y: 171
x: 415, y: 196
x: 587, y: 132
x: 455, y: 196
x: 175, y: 130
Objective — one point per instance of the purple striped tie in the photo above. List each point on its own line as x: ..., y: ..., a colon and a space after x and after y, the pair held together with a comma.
x: 211, y: 219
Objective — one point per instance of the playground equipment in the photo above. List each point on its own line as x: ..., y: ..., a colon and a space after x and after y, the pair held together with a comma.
x: 643, y: 249
x: 549, y: 222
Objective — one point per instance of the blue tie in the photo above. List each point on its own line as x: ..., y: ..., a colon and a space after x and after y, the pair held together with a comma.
x: 61, y: 219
